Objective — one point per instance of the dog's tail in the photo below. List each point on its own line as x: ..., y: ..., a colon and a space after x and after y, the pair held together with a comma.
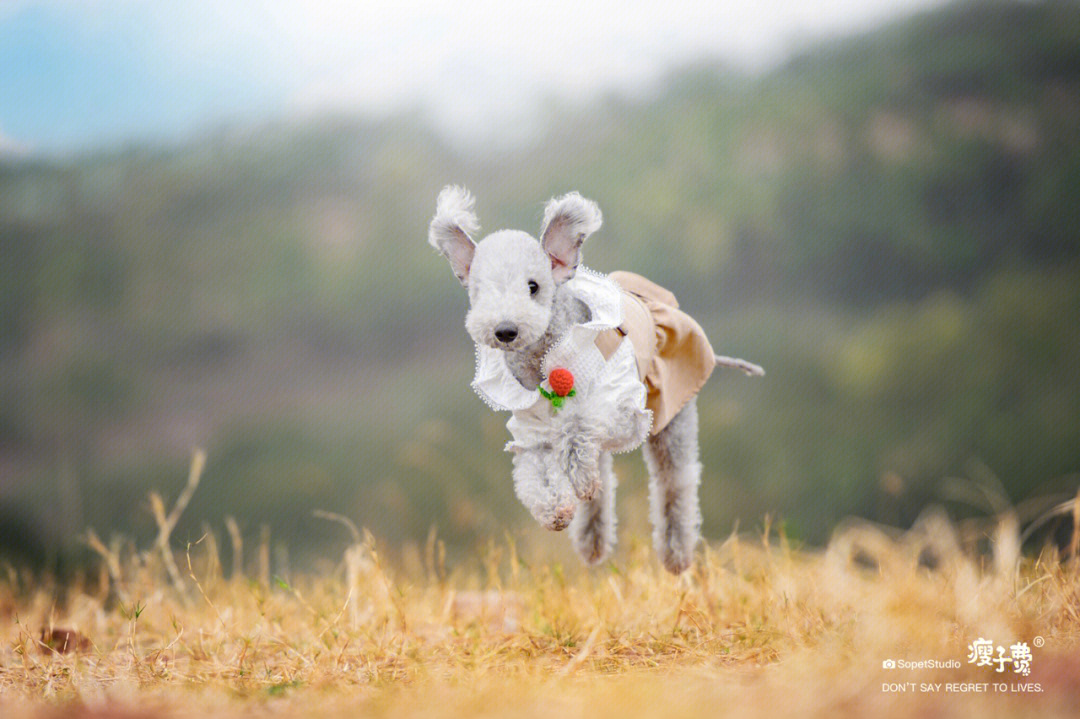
x: 751, y: 369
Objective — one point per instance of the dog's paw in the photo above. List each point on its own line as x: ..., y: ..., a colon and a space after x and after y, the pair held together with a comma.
x: 584, y: 477
x: 676, y: 561
x: 676, y: 547
x: 552, y: 504
x: 593, y: 539
x: 555, y: 518
x: 586, y: 488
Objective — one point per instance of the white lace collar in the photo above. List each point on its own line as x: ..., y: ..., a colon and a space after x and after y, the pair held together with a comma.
x: 577, y: 350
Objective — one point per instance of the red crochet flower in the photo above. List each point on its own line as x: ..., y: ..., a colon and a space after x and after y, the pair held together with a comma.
x: 561, y: 381
x: 562, y: 386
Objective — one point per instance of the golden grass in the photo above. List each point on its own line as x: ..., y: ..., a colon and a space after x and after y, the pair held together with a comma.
x: 756, y: 628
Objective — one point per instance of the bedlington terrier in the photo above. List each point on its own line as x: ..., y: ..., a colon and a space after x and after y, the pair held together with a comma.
x: 590, y: 365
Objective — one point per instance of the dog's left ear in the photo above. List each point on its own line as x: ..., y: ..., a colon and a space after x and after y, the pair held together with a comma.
x: 568, y: 220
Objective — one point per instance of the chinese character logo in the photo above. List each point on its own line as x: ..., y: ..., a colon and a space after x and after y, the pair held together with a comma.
x: 981, y: 654
x: 1021, y: 657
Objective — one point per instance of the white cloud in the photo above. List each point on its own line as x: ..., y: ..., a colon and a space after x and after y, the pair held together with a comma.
x: 480, y: 67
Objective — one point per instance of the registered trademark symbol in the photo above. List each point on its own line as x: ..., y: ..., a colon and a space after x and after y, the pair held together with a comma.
x: 1038, y: 641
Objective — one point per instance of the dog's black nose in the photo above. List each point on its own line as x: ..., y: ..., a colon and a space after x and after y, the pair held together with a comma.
x: 505, y: 332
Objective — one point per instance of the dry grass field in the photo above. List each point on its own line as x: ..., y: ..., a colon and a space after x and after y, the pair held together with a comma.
x: 756, y: 628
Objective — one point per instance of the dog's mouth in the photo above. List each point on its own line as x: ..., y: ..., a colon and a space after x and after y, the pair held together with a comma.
x: 512, y: 346
x: 506, y: 335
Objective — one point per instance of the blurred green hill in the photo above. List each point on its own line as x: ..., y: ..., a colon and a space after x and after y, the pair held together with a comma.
x: 888, y: 223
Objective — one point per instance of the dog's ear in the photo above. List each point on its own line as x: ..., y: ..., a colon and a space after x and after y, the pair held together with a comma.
x: 568, y: 220
x: 450, y: 228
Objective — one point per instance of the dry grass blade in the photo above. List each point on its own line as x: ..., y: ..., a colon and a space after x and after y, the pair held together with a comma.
x: 340, y: 519
x: 112, y: 561
x: 1069, y: 507
x: 1074, y: 542
x: 237, y: 545
x: 583, y: 654
x: 167, y: 523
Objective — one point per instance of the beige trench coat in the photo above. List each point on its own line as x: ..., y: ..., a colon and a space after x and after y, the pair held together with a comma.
x: 674, y: 357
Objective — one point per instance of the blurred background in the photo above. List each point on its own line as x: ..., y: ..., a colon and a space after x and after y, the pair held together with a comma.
x: 213, y: 233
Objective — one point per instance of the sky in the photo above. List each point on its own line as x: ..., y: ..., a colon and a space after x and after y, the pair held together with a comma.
x: 78, y: 74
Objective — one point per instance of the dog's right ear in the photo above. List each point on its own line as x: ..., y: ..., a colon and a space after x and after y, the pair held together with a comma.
x: 450, y: 229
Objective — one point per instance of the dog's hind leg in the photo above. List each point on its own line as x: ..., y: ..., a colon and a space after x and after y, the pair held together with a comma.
x: 674, y: 474
x: 593, y: 528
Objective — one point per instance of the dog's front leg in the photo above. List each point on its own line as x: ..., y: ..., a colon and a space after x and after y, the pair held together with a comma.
x: 542, y: 489
x: 577, y: 452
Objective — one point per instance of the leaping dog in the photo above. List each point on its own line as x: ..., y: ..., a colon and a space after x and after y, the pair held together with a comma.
x: 590, y: 365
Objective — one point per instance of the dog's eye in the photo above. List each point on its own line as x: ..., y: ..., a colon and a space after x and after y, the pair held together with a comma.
x: 533, y: 287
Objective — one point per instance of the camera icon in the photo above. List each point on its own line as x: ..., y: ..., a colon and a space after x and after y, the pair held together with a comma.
x: 888, y: 664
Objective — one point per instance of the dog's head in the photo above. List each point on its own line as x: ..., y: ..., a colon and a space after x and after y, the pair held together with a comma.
x: 511, y: 276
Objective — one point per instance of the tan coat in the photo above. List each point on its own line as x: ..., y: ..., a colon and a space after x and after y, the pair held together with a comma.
x: 674, y: 357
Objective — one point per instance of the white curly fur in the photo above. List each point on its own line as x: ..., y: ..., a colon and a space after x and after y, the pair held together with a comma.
x: 570, y: 483
x: 452, y: 227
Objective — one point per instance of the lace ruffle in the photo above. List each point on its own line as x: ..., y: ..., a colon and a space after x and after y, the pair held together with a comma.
x: 609, y: 385
x: 496, y: 384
